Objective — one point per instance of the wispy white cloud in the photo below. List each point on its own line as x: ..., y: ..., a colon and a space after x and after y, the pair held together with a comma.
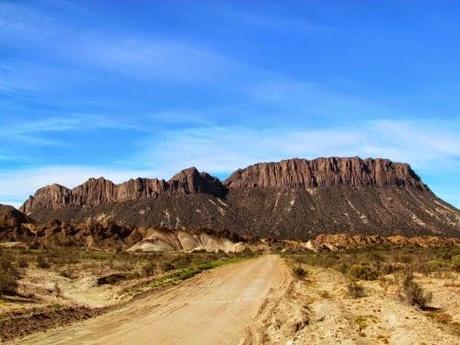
x: 20, y: 21
x: 38, y: 132
x: 13, y: 78
x: 264, y: 21
x: 119, y: 53
x: 294, y: 97
x: 424, y: 144
x: 153, y: 57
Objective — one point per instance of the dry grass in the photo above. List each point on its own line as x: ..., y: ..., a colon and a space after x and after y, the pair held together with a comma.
x: 373, y: 263
x: 445, y: 320
x: 355, y: 290
x: 9, y: 275
x: 413, y: 293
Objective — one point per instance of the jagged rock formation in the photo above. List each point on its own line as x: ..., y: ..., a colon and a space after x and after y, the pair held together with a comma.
x: 291, y: 199
x: 326, y: 172
x: 100, y: 191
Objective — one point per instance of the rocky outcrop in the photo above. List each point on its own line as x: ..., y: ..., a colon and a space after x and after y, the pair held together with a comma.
x: 109, y: 235
x: 53, y: 196
x: 191, y: 181
x: 99, y: 191
x: 11, y: 217
x: 161, y: 240
x: 325, y: 172
x: 140, y: 188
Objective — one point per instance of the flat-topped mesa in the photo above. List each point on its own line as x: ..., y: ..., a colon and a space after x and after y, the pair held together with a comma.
x: 326, y: 172
x: 98, y: 191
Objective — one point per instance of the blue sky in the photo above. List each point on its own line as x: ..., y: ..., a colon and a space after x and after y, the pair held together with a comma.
x: 125, y: 89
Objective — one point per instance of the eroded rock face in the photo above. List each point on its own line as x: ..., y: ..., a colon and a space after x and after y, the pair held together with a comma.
x: 325, y: 172
x: 100, y: 191
x: 140, y: 188
x: 191, y: 181
x: 49, y: 197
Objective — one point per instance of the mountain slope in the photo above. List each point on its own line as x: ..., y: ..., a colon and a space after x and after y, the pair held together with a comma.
x: 11, y: 218
x: 291, y: 199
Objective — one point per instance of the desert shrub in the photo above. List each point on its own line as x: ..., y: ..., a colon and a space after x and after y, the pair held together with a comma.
x: 7, y: 264
x: 455, y: 261
x: 356, y: 290
x: 34, y: 245
x: 111, y: 279
x: 167, y: 266
x: 8, y: 283
x: 413, y: 293
x: 23, y: 263
x: 149, y: 269
x: 66, y: 274
x: 436, y: 265
x: 325, y: 294
x: 343, y: 268
x: 182, y: 260
x: 363, y: 272
x: 317, y: 259
x: 405, y: 258
x: 42, y: 262
x: 299, y: 272
x: 9, y: 275
x: 388, y: 268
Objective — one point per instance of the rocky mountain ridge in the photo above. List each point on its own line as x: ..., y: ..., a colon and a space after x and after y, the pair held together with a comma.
x: 292, y: 199
x: 291, y: 173
x: 98, y: 191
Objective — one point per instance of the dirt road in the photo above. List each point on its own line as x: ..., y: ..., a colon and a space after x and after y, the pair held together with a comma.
x: 216, y: 307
